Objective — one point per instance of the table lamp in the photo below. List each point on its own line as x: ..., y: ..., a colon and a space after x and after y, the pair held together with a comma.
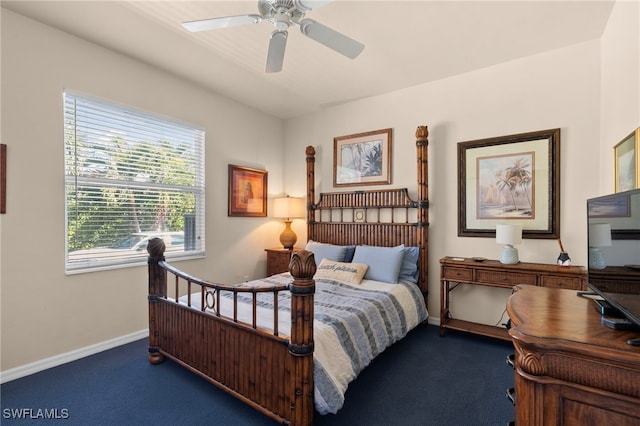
x: 287, y: 208
x: 599, y: 236
x: 509, y: 235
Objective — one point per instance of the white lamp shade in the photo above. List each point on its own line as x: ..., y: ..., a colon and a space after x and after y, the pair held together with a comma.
x: 599, y: 235
x: 287, y: 207
x: 509, y: 234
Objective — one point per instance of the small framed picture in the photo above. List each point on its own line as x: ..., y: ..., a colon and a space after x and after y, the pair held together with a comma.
x: 3, y: 178
x: 362, y: 159
x: 627, y: 162
x: 247, y: 192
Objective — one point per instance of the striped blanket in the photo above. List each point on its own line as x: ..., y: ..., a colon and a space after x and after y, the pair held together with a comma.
x: 352, y: 325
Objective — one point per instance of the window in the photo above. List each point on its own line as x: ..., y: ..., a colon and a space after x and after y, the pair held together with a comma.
x: 129, y: 176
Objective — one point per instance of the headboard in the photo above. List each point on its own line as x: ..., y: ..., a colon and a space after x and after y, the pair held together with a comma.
x: 385, y: 217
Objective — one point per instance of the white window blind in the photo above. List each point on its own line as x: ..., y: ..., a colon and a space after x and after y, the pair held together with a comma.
x: 129, y: 176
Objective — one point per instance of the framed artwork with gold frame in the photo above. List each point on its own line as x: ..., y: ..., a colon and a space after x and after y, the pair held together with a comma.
x: 247, y: 192
x: 626, y: 156
x: 3, y: 178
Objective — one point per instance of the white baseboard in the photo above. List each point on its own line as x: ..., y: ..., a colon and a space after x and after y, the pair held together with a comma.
x: 54, y: 361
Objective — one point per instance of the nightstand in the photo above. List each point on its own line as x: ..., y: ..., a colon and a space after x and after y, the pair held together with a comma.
x: 278, y: 260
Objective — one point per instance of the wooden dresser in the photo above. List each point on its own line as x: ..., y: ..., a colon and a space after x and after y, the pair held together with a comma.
x: 617, y: 279
x: 569, y: 368
x: 492, y: 273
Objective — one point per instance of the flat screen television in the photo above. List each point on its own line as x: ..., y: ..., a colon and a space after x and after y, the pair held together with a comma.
x: 614, y: 250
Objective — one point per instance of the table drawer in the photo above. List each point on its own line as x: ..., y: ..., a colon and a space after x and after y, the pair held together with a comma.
x: 279, y: 261
x: 455, y: 274
x: 507, y: 279
x: 561, y: 282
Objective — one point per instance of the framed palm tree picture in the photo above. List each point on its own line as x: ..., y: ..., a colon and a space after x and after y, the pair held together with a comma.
x: 627, y: 162
x: 362, y: 159
x: 511, y: 179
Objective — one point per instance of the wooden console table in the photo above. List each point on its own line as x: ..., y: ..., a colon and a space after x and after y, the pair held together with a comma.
x: 492, y: 273
x: 570, y: 369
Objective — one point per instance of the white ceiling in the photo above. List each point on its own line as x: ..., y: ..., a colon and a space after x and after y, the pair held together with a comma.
x: 407, y: 42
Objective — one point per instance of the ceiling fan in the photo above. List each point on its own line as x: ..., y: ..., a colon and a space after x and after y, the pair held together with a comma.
x: 283, y: 14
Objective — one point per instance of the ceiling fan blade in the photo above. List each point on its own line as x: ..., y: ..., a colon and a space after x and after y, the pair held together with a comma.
x: 306, y: 6
x: 331, y: 38
x: 275, y: 57
x: 224, y: 22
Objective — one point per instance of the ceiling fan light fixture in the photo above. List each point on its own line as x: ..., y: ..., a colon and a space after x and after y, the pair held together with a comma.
x: 281, y: 21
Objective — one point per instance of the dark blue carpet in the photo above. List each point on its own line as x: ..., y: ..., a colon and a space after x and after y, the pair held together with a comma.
x: 423, y: 380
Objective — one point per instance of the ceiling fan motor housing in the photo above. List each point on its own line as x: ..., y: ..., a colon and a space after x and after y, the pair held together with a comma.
x: 282, y: 13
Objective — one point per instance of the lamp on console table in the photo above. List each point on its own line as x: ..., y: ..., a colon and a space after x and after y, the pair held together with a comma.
x: 599, y: 236
x: 509, y: 235
x: 287, y: 208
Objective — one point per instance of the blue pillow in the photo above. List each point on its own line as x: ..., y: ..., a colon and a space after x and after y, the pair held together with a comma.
x: 409, y: 268
x: 348, y: 255
x: 384, y: 262
x: 326, y: 251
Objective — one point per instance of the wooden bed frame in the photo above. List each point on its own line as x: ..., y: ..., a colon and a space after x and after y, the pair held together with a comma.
x: 269, y: 370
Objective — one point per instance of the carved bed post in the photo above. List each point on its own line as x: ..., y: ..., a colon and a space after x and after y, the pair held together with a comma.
x: 422, y: 144
x: 302, y: 268
x: 311, y: 186
x: 157, y: 289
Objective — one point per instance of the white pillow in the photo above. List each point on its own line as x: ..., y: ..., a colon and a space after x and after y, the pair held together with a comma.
x: 341, y: 271
x: 384, y: 262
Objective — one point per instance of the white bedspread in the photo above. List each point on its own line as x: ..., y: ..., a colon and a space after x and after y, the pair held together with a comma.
x: 352, y: 325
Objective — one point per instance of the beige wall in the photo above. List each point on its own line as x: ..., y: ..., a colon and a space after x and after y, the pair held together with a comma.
x: 620, y: 104
x: 45, y: 312
x: 556, y: 89
x: 550, y: 90
x: 580, y: 89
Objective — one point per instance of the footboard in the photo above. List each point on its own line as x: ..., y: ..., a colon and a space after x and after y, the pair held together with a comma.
x: 269, y: 370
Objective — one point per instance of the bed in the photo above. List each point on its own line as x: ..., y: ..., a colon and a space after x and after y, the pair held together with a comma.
x: 289, y: 345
